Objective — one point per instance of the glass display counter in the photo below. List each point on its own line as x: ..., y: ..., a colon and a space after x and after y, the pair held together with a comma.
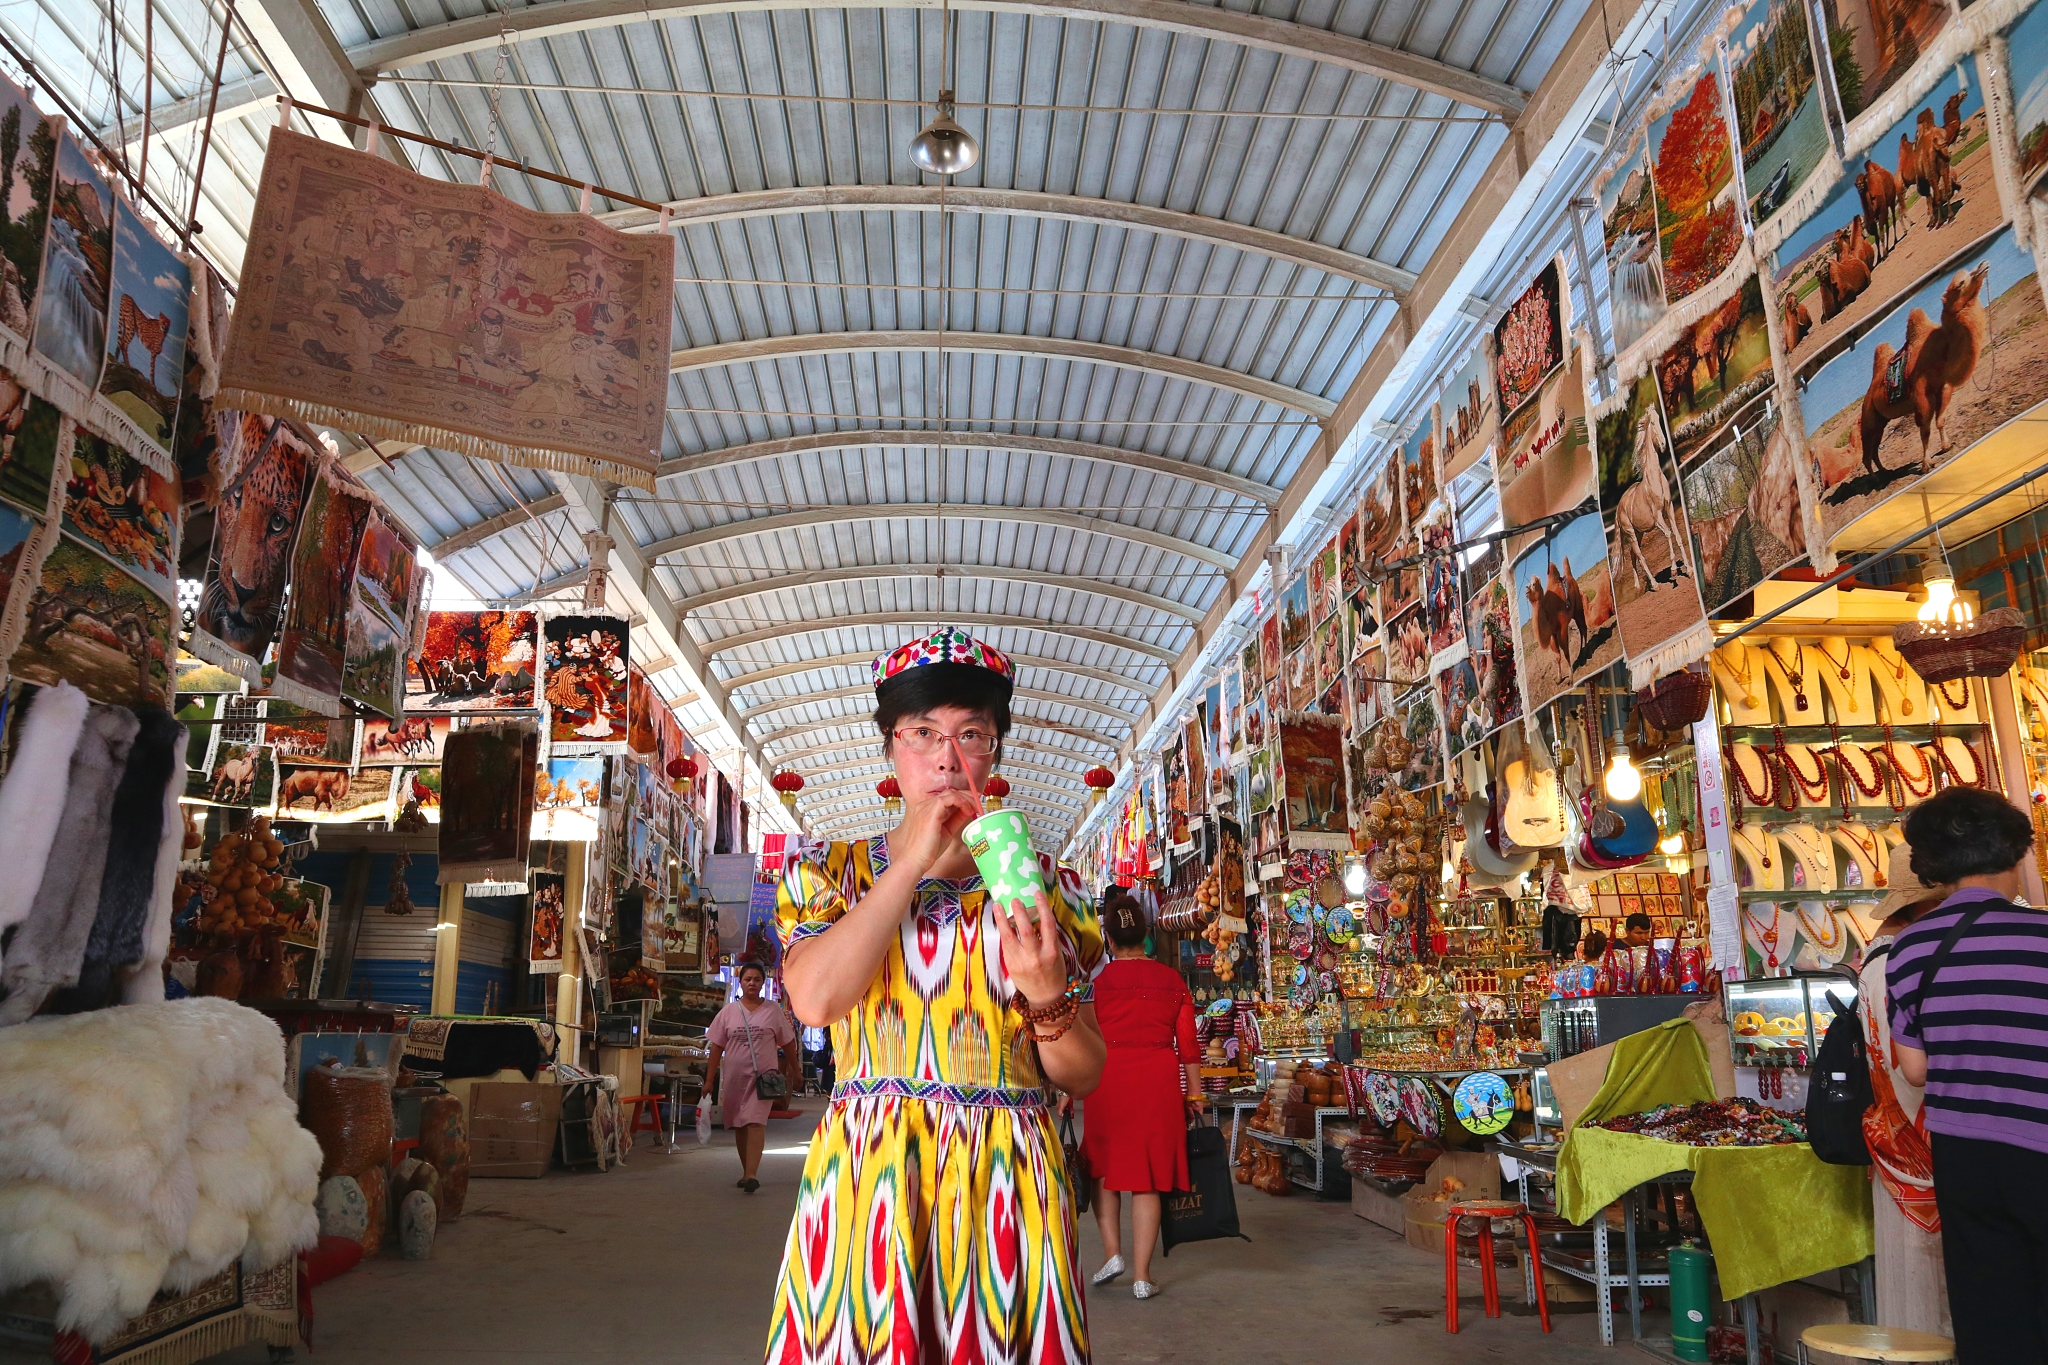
x: 1780, y: 1022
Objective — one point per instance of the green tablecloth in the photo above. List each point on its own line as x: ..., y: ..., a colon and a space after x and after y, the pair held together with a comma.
x: 1772, y: 1213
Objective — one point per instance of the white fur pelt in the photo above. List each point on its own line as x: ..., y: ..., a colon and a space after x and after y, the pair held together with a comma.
x: 146, y: 1147
x: 32, y: 797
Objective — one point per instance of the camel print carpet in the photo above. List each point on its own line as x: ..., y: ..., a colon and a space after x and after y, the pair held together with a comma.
x: 408, y: 308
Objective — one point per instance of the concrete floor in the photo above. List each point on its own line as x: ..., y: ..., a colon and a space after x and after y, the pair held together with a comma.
x: 665, y: 1261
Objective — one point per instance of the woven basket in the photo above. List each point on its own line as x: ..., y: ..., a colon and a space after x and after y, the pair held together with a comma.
x: 1676, y: 700
x: 1984, y: 648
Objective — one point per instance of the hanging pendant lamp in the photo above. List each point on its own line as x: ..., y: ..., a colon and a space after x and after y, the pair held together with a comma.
x: 944, y: 147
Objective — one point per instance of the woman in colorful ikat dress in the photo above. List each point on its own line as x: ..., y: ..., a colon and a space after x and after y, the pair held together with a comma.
x: 935, y: 1222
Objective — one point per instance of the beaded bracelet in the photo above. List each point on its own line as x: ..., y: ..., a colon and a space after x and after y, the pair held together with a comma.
x: 1062, y: 1014
x: 1071, y: 995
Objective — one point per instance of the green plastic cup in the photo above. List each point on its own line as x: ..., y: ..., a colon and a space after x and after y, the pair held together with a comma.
x: 1001, y: 844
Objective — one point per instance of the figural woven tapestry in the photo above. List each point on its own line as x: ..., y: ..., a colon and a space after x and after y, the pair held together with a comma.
x: 405, y: 308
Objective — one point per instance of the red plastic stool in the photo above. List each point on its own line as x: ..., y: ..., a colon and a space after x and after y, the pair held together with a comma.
x: 644, y: 1113
x: 1486, y: 1210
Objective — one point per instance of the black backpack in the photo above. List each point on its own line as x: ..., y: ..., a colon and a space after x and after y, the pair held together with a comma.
x: 1838, y: 1091
x: 1560, y: 931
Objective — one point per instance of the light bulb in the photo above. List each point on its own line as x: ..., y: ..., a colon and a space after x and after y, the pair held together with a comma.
x: 943, y: 147
x: 1942, y: 604
x: 1354, y: 876
x: 1624, y: 783
x: 1671, y: 843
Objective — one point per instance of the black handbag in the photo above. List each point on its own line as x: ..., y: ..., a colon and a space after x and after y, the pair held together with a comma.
x: 769, y: 1085
x: 1207, y: 1209
x: 1077, y: 1169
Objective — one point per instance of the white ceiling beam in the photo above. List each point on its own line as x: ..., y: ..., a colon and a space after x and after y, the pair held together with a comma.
x: 470, y: 536
x: 742, y: 681
x: 438, y: 42
x: 844, y: 693
x: 703, y: 461
x: 786, y: 630
x: 1214, y: 232
x: 911, y: 511
x: 812, y: 578
x: 1131, y: 358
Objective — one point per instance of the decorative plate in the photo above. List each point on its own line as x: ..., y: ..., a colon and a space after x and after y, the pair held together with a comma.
x: 1484, y: 1103
x: 1329, y: 892
x: 1301, y: 973
x: 1298, y: 909
x: 1342, y: 926
x: 1420, y: 1108
x: 1383, y: 1097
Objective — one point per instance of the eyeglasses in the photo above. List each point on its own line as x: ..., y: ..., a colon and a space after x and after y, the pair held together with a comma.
x: 924, y: 739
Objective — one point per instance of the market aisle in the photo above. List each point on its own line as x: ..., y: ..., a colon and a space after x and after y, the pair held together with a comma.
x: 666, y: 1262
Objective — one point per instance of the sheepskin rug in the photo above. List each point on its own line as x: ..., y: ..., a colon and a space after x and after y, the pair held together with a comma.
x: 146, y: 1147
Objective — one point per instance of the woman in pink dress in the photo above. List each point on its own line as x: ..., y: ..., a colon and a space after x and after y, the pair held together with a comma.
x: 1135, y: 1137
x: 749, y: 1038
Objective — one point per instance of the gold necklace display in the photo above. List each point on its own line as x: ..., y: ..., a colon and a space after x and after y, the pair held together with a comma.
x: 1741, y: 679
x: 1845, y: 667
x: 1827, y: 939
x: 1795, y: 676
x: 1898, y: 676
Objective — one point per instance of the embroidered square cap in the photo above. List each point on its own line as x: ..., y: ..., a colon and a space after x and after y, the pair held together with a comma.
x: 949, y: 648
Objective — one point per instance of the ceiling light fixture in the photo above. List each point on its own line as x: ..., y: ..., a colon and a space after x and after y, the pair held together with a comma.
x: 944, y: 147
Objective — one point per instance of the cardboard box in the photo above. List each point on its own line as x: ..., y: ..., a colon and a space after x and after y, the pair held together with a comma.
x: 1423, y: 1217
x: 1375, y: 1206
x: 512, y: 1128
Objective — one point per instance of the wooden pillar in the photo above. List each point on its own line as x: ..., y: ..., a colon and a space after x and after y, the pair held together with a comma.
x: 447, y: 949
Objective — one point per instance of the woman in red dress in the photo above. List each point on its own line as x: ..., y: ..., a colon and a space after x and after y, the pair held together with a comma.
x: 1135, y: 1137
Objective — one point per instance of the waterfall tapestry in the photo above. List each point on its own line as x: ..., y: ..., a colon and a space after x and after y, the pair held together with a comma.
x: 487, y: 781
x: 408, y: 308
x: 1628, y: 226
x: 1870, y: 245
x: 1312, y: 763
x: 1649, y: 544
x: 380, y: 619
x: 78, y: 257
x: 475, y: 661
x: 254, y: 530
x: 587, y: 665
x: 1467, y: 415
x: 311, y: 648
x: 149, y: 307
x: 1965, y: 354
x: 544, y: 925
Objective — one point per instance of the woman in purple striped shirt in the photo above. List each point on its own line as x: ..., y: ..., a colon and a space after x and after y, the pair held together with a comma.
x: 1969, y: 1013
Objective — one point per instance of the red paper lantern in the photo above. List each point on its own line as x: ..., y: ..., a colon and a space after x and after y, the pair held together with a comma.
x: 1099, y: 780
x: 993, y: 791
x: 681, y: 771
x: 891, y: 792
x: 789, y: 784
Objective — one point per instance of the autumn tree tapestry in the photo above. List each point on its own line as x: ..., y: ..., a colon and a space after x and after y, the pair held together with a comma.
x: 475, y: 661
